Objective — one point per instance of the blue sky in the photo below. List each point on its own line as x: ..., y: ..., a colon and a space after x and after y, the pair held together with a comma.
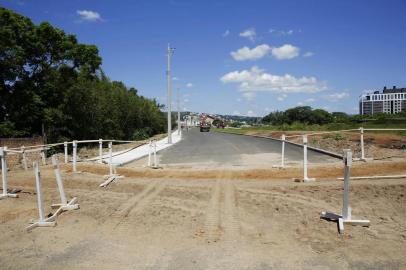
x: 241, y: 57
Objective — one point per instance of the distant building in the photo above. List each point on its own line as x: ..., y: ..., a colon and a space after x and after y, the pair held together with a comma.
x: 389, y: 101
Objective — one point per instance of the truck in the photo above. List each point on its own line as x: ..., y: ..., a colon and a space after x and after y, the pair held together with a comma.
x: 204, y: 126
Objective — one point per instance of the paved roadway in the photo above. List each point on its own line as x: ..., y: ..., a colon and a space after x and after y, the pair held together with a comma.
x: 223, y: 148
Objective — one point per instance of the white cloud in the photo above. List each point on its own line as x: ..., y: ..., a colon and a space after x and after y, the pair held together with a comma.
x: 286, y: 51
x: 249, y: 34
x: 336, y: 96
x: 251, y: 113
x: 189, y: 85
x: 175, y: 78
x: 186, y: 100
x: 236, y: 113
x: 249, y: 95
x: 282, y: 97
x: 239, y: 99
x: 256, y: 79
x: 88, y: 15
x: 308, y: 54
x: 246, y: 53
x: 226, y: 33
x: 281, y: 32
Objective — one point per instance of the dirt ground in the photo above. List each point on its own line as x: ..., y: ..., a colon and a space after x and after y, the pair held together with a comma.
x: 377, y: 145
x: 223, y: 223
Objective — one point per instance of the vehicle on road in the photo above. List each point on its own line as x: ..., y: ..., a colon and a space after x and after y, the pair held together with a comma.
x: 204, y: 127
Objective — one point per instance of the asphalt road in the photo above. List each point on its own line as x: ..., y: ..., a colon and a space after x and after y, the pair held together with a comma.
x: 223, y: 148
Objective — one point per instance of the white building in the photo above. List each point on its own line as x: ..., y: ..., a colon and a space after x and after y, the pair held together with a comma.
x: 389, y: 101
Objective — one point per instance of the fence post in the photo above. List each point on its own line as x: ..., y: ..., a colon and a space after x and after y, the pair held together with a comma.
x: 74, y: 153
x: 345, y: 217
x: 65, y: 146
x: 283, y: 151
x: 346, y: 212
x: 155, y: 161
x: 25, y: 167
x: 149, y: 153
x: 5, y: 193
x: 44, y: 160
x: 305, y: 176
x: 361, y: 129
x: 111, y: 157
x: 101, y: 150
x: 42, y: 222
x: 59, y: 179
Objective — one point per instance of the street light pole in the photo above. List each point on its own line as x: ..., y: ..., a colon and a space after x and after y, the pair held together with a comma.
x: 169, y: 97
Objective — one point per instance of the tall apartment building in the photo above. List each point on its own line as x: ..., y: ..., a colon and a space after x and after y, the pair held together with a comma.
x: 389, y: 101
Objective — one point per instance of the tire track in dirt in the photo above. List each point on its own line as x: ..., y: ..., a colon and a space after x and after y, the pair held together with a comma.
x: 212, y: 225
x: 295, y: 198
x: 230, y: 219
x: 136, y: 204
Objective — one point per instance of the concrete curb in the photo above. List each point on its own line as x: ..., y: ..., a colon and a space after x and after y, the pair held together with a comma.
x: 319, y: 150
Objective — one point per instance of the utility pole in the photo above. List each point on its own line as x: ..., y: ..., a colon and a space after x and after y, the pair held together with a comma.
x: 169, y: 98
x: 178, y: 113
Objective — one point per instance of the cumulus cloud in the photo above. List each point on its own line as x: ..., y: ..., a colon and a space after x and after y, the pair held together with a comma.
x: 249, y: 34
x: 281, y: 32
x: 308, y: 54
x: 236, y: 113
x: 337, y: 96
x: 189, y: 85
x: 256, y: 79
x: 286, y: 51
x: 89, y: 15
x: 246, y: 53
x: 226, y: 33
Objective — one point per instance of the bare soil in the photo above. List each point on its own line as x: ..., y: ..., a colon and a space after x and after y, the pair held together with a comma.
x: 194, y: 223
x: 377, y: 145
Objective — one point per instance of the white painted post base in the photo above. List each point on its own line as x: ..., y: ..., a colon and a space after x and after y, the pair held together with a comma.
x: 72, y: 205
x: 109, y: 179
x: 346, y: 216
x: 341, y: 221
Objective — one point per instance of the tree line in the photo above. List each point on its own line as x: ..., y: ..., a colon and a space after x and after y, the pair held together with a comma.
x: 309, y: 116
x: 52, y: 83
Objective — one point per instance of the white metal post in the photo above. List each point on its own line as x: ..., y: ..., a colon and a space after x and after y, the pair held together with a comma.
x: 100, y: 150
x: 42, y: 222
x: 39, y: 192
x: 305, y: 176
x: 44, y: 161
x: 346, y: 212
x: 111, y: 157
x: 361, y: 129
x: 5, y: 193
x: 25, y: 167
x: 155, y: 161
x: 305, y: 157
x: 283, y: 151
x: 59, y: 179
x: 74, y: 154
x: 149, y: 153
x: 169, y: 93
x: 65, y: 148
x: 345, y: 216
